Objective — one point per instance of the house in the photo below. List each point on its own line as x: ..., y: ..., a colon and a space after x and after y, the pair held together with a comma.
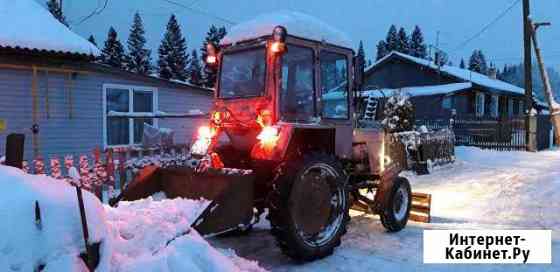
x: 440, y: 91
x: 51, y: 91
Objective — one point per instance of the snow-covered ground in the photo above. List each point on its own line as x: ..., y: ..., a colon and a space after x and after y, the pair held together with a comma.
x: 482, y: 190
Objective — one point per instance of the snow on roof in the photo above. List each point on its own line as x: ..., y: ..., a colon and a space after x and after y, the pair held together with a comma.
x: 411, y: 91
x: 26, y: 24
x: 421, y: 90
x: 297, y: 24
x: 463, y: 74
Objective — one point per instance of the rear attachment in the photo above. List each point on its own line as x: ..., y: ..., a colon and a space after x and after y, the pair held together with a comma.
x: 421, y: 207
x: 229, y: 190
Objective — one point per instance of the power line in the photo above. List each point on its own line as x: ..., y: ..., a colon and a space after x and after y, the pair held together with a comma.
x: 487, y: 26
x: 96, y: 11
x: 199, y: 11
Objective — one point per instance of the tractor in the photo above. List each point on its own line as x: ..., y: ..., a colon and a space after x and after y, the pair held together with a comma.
x: 287, y: 135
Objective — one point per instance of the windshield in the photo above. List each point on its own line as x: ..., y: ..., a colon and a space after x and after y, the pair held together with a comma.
x: 243, y: 73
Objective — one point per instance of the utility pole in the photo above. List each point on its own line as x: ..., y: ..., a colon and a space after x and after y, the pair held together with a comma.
x: 530, y: 138
x: 554, y: 107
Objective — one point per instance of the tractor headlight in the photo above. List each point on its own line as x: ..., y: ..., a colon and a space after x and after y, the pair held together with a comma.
x: 278, y: 44
x: 268, y: 137
x: 203, y: 140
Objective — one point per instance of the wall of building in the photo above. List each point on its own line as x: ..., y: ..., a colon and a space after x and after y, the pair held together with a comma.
x: 77, y: 127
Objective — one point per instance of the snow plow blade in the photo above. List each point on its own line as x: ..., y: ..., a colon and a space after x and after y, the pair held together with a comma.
x: 230, y: 192
x: 420, y: 208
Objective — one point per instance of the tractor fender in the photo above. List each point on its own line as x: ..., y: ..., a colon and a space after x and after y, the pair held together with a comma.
x: 383, y: 194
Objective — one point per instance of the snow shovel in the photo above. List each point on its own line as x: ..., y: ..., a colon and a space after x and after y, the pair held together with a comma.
x: 229, y: 190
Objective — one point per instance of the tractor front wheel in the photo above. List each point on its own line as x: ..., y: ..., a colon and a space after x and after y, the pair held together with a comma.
x: 395, y: 215
x: 308, y: 206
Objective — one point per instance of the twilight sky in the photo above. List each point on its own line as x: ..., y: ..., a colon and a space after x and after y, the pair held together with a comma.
x: 367, y: 20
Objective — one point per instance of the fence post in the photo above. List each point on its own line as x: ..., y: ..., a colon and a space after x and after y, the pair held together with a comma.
x: 532, y: 144
x: 14, y: 150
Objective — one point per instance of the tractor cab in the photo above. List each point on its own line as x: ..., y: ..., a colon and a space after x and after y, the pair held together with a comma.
x: 279, y: 88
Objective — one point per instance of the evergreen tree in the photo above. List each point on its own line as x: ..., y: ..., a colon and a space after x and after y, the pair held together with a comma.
x: 214, y: 35
x: 441, y: 58
x: 139, y: 59
x: 417, y: 45
x: 477, y: 62
x: 462, y: 64
x: 91, y: 39
x: 403, y: 43
x: 361, y: 54
x: 399, y: 113
x: 173, y: 57
x: 113, y: 52
x: 381, y: 50
x: 56, y: 10
x: 392, y: 39
x: 195, y: 70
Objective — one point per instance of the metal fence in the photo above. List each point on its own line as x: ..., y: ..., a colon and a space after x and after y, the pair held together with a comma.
x: 502, y: 134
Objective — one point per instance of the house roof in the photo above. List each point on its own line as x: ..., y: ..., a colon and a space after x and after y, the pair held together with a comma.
x: 455, y: 72
x: 296, y: 23
x: 421, y: 90
x: 28, y: 27
x: 410, y: 91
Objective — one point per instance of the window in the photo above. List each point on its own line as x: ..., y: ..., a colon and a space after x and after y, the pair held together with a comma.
x: 243, y: 73
x: 334, y: 85
x: 127, y: 100
x: 515, y: 107
x: 479, y: 106
x: 296, y: 89
x: 494, y: 106
x: 446, y: 103
x: 521, y: 107
x: 510, y: 107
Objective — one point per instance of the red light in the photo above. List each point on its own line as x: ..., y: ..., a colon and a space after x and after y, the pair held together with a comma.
x: 211, y: 59
x: 277, y: 47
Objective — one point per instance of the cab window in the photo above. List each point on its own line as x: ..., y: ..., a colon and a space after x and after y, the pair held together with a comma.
x: 296, y: 93
x: 334, y: 85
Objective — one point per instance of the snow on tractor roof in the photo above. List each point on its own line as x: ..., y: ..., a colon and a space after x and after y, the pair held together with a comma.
x: 297, y: 24
x: 27, y: 25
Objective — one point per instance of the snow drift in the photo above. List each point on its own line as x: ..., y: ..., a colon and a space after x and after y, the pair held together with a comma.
x: 144, y: 235
x: 297, y: 24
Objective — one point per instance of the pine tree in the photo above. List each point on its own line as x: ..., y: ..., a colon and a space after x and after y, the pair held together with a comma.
x: 56, y: 10
x: 417, y: 45
x: 381, y: 50
x: 403, y: 43
x: 91, y: 39
x: 173, y: 57
x: 462, y: 64
x: 392, y: 39
x: 361, y: 54
x: 113, y: 52
x: 398, y: 112
x: 195, y: 71
x: 214, y: 35
x: 477, y: 62
x: 441, y: 58
x: 139, y: 59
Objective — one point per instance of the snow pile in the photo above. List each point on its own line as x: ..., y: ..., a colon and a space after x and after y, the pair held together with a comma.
x: 57, y: 240
x: 26, y: 24
x: 420, y: 90
x: 144, y: 235
x: 463, y: 74
x: 297, y: 24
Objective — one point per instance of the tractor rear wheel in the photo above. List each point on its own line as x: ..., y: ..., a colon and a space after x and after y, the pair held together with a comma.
x: 308, y: 206
x: 395, y: 216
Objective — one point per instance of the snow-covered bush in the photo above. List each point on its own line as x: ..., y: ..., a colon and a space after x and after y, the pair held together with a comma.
x: 399, y: 113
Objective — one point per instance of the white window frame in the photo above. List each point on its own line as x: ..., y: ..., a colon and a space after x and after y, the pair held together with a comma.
x: 479, y: 104
x: 131, y: 89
